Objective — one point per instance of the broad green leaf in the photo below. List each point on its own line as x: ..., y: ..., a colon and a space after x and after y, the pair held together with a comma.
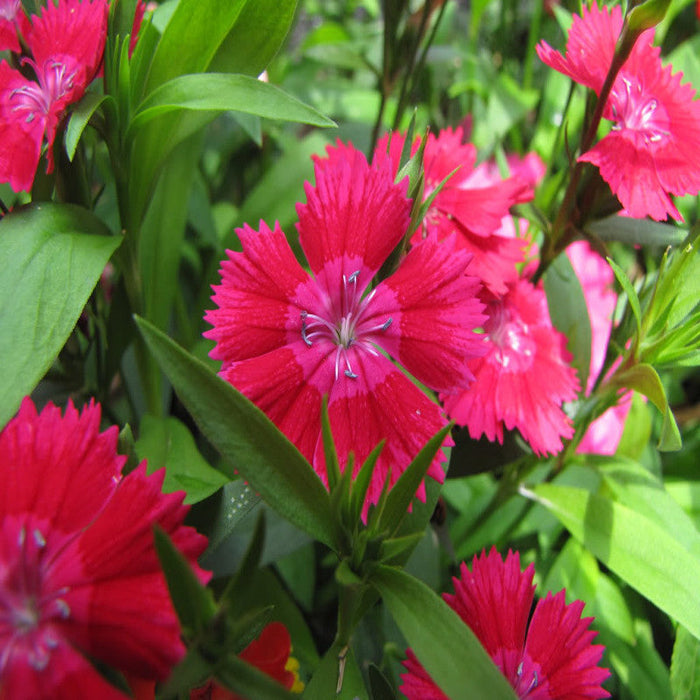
x: 166, y: 442
x: 54, y: 255
x: 446, y: 647
x: 404, y: 490
x: 648, y: 557
x: 636, y: 231
x: 379, y: 685
x: 685, y: 666
x: 192, y: 37
x: 192, y: 600
x: 250, y: 682
x: 237, y: 500
x: 255, y: 38
x: 569, y: 313
x: 327, y: 683
x: 79, y: 117
x: 644, y: 379
x: 223, y: 92
x: 245, y: 435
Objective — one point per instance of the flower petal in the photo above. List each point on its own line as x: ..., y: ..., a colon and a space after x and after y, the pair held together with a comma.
x: 354, y: 217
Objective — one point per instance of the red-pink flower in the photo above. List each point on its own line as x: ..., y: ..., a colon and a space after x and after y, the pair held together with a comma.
x: 552, y: 657
x: 596, y: 278
x: 524, y: 377
x: 653, y: 148
x: 287, y: 338
x: 469, y: 205
x: 13, y: 24
x: 66, y: 42
x: 79, y: 575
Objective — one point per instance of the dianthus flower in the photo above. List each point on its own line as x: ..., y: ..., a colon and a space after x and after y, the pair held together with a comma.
x: 13, y: 23
x: 653, y: 148
x: 524, y: 377
x: 552, y: 657
x: 66, y: 42
x: 270, y: 653
x: 596, y: 278
x: 287, y: 338
x: 469, y: 205
x: 79, y: 574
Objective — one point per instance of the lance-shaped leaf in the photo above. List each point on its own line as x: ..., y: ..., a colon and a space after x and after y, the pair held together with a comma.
x: 443, y: 643
x: 647, y: 556
x: 245, y: 435
x: 52, y: 262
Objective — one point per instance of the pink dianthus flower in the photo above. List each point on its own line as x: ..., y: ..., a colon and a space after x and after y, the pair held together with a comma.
x: 469, y: 204
x: 287, y: 338
x: 524, y: 376
x: 67, y: 43
x: 653, y: 148
x: 79, y: 574
x: 13, y: 24
x: 551, y: 657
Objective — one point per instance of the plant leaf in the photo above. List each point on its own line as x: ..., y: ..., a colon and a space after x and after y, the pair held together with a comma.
x: 52, y: 264
x: 79, y: 118
x: 446, y: 647
x: 685, y: 666
x: 648, y: 557
x: 244, y: 434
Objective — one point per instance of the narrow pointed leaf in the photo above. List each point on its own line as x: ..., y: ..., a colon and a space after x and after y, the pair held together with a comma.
x: 446, y: 647
x: 244, y: 434
x: 685, y: 666
x: 629, y: 290
x: 404, y: 490
x: 362, y: 481
x: 647, y: 556
x: 79, y: 118
x: 331, y: 454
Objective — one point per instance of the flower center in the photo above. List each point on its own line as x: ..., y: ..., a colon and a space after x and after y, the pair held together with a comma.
x: 9, y: 9
x: 514, y: 346
x: 635, y: 110
x: 55, y: 80
x: 348, y: 327
x: 25, y: 609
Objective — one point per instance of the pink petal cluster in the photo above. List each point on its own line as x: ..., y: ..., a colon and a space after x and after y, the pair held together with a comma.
x: 66, y: 42
x: 79, y: 574
x: 287, y: 338
x: 524, y: 376
x: 551, y: 657
x: 472, y: 204
x: 596, y: 278
x: 653, y: 148
x: 13, y: 25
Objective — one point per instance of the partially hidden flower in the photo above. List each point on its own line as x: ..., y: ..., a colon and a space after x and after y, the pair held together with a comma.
x: 470, y: 204
x: 270, y: 653
x: 66, y: 42
x: 79, y: 574
x: 596, y: 278
x: 524, y: 376
x: 653, y: 148
x: 287, y: 338
x: 551, y: 656
x: 13, y: 24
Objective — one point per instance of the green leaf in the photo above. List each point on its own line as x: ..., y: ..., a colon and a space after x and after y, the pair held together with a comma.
x: 629, y: 291
x: 237, y: 500
x: 79, y: 117
x: 249, y: 682
x: 54, y: 255
x: 255, y: 38
x: 166, y: 442
x: 636, y: 231
x: 446, y: 647
x: 685, y: 666
x: 244, y: 434
x: 644, y: 379
x: 223, y: 92
x: 404, y: 490
x: 569, y: 313
x: 379, y: 685
x: 329, y: 451
x: 326, y: 684
x: 192, y: 600
x: 648, y: 557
